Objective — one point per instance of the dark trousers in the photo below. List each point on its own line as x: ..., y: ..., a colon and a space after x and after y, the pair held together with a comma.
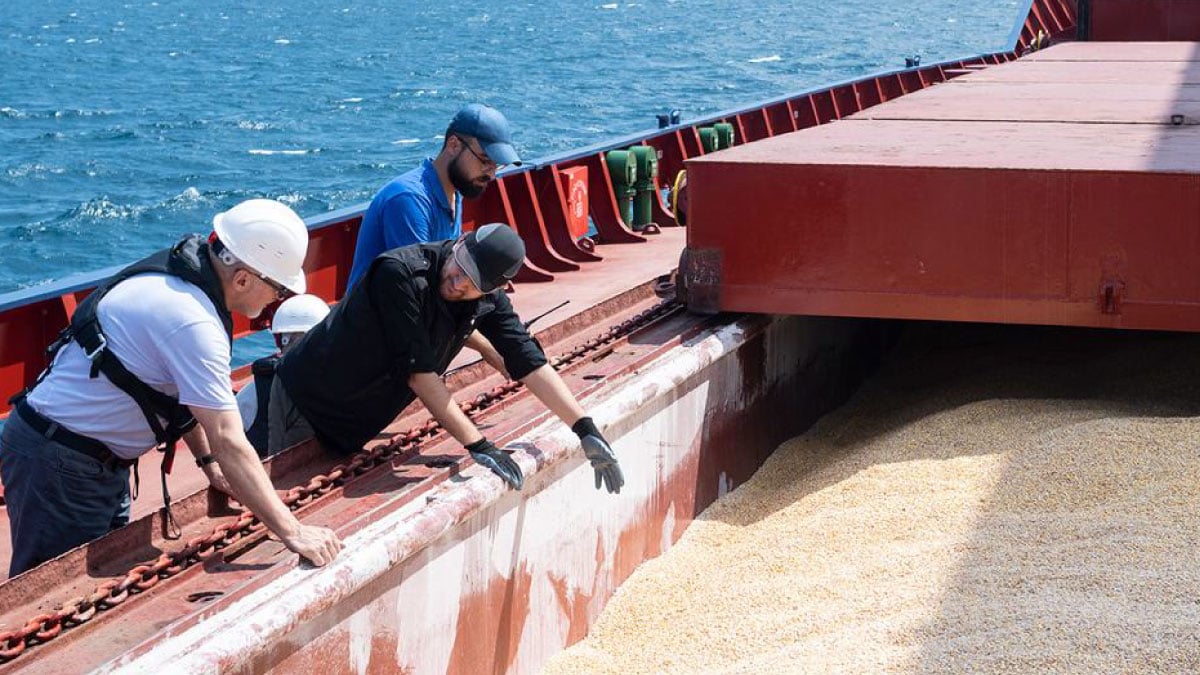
x: 285, y: 425
x: 57, y: 498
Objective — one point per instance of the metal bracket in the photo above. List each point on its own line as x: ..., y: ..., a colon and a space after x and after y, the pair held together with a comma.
x: 700, y: 270
x: 1112, y: 292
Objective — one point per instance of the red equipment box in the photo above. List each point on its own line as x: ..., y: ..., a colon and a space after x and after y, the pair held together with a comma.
x: 575, y: 187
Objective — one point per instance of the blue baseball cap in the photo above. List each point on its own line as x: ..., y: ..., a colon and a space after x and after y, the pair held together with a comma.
x: 490, y: 128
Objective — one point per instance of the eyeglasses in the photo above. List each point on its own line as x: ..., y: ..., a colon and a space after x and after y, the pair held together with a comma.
x: 483, y: 159
x: 459, y: 276
x: 281, y: 292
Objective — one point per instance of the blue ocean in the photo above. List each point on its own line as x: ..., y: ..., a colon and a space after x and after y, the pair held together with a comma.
x: 126, y: 124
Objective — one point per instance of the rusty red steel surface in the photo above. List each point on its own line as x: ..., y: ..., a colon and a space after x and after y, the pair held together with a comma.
x: 1143, y: 20
x: 246, y: 529
x: 962, y: 203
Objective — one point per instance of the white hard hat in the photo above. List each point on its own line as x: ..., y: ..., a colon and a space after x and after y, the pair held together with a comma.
x: 299, y: 313
x: 268, y: 237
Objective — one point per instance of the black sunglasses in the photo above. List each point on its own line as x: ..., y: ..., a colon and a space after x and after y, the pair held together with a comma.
x: 281, y: 292
x: 482, y: 159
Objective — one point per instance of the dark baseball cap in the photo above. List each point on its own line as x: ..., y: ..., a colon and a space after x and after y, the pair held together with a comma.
x: 490, y: 255
x: 490, y: 128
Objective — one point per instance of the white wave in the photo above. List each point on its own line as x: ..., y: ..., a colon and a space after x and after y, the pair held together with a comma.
x: 35, y: 169
x: 610, y: 6
x: 91, y: 41
x: 406, y: 141
x: 355, y: 99
x: 103, y: 208
x: 190, y: 194
x: 79, y: 112
x: 291, y: 198
x: 260, y: 151
x: 70, y: 41
x: 283, y: 41
x: 766, y: 59
x: 253, y: 126
x: 13, y: 113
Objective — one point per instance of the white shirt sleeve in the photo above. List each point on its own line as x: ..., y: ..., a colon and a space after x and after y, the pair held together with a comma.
x: 198, y: 362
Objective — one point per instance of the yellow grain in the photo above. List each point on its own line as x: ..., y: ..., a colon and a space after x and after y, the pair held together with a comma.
x: 996, y: 500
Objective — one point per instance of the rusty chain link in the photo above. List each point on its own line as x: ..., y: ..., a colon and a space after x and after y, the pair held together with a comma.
x: 143, y: 577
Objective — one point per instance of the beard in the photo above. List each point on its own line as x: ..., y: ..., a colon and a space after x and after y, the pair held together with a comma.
x: 466, y: 187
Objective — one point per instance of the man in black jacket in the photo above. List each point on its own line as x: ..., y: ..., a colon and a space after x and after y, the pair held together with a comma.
x: 388, y: 341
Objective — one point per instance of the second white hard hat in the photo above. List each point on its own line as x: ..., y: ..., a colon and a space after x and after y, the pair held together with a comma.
x: 268, y: 237
x: 298, y: 314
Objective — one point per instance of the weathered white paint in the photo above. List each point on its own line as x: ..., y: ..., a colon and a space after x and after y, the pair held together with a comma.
x: 361, y: 632
x: 430, y: 603
x: 652, y: 421
x: 668, y: 529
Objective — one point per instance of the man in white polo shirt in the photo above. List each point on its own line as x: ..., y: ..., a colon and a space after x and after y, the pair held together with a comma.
x: 145, y: 363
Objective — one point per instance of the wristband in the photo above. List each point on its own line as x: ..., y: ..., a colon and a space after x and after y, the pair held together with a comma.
x: 585, y: 427
x: 205, y: 461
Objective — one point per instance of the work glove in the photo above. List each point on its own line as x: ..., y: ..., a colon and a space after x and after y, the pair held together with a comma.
x: 600, y: 454
x: 486, y: 454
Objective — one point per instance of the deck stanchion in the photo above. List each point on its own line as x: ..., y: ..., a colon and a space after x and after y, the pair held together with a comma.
x: 516, y: 193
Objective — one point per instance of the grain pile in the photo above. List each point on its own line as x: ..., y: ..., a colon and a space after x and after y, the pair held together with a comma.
x: 994, y: 500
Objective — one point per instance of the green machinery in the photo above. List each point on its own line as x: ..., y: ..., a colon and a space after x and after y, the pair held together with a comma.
x: 717, y: 137
x: 634, y: 171
x: 633, y: 174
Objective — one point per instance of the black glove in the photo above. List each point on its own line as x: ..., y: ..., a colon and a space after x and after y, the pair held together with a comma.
x: 498, y: 461
x: 600, y: 454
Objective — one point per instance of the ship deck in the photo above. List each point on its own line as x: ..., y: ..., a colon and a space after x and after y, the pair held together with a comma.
x: 1021, y: 193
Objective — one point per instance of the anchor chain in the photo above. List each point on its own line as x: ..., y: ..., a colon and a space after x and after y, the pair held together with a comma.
x: 143, y: 577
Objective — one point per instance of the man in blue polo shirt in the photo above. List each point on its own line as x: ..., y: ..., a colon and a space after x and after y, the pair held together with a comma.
x: 425, y: 204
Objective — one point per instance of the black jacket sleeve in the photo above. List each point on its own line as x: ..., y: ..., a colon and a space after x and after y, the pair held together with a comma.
x: 503, y: 328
